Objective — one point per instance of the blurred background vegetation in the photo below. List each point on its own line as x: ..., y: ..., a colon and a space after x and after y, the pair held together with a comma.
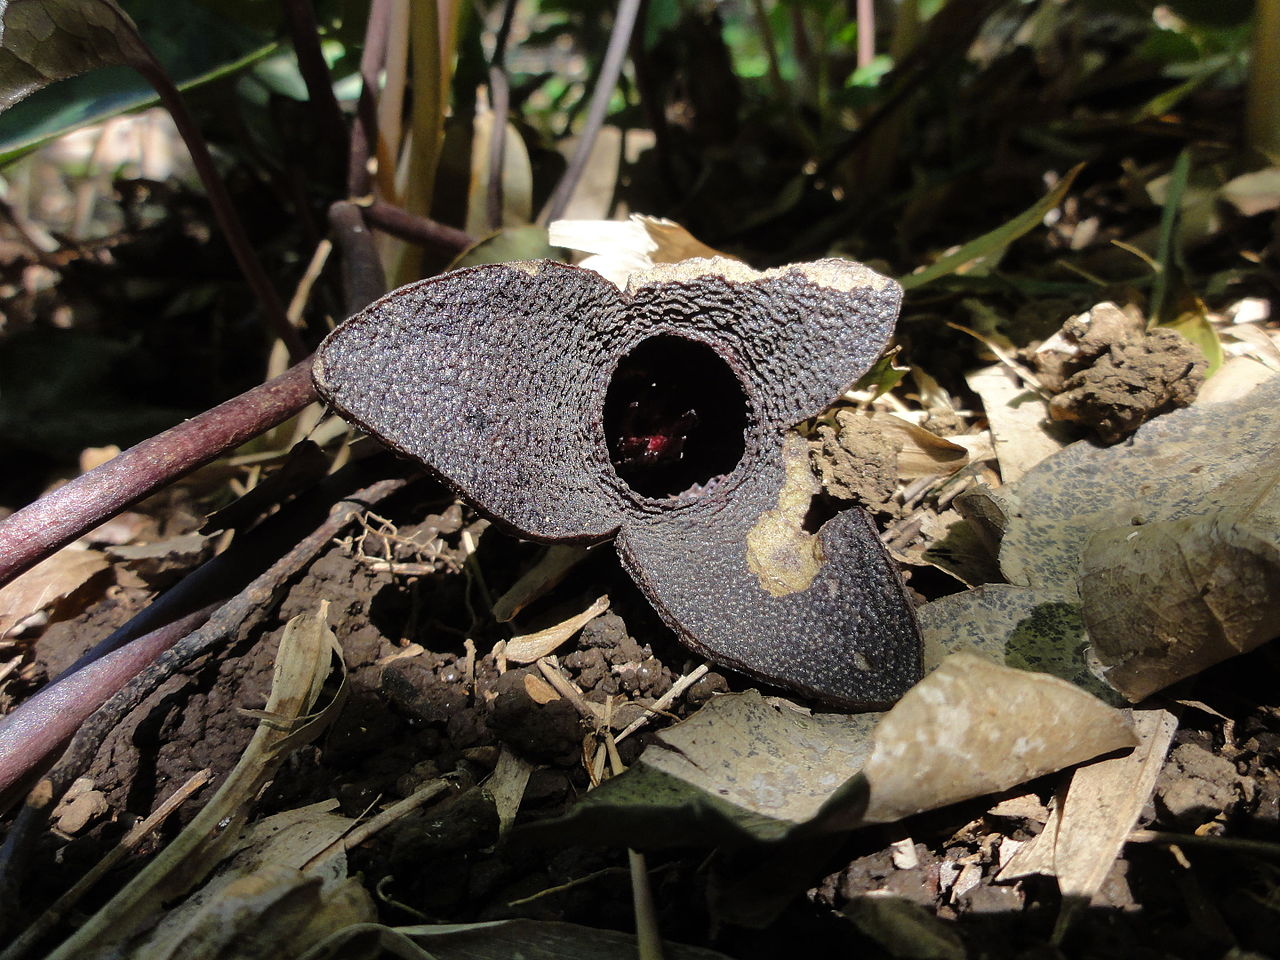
x: 1014, y: 161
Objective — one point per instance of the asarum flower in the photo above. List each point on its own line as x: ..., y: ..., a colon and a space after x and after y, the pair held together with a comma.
x: 568, y: 410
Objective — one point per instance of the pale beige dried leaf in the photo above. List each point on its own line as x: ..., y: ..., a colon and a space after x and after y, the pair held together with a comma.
x: 533, y: 646
x: 506, y: 785
x: 1254, y: 340
x: 1165, y: 600
x: 621, y: 248
x: 973, y: 727
x: 1234, y: 379
x: 552, y: 567
x: 924, y: 453
x: 48, y: 582
x: 1021, y: 430
x: 1102, y: 805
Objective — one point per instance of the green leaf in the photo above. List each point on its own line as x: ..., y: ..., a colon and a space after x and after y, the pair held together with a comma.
x: 994, y: 242
x: 505, y: 246
x: 195, y: 45
x: 46, y: 40
x: 1167, y: 250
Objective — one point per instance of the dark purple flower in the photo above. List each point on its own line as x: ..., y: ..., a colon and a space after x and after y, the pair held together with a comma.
x: 570, y: 411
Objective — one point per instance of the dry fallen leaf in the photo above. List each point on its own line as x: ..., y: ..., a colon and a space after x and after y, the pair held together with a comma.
x: 973, y: 727
x: 743, y: 768
x: 1020, y: 427
x: 1182, y: 464
x: 1165, y: 600
x: 1102, y: 805
x: 532, y: 646
x: 58, y: 578
x: 620, y: 248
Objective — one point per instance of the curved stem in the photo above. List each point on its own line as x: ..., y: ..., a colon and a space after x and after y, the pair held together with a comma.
x: 220, y: 200
x: 36, y: 531
x: 624, y: 23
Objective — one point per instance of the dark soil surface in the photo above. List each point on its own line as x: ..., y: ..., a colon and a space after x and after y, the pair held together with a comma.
x: 422, y: 705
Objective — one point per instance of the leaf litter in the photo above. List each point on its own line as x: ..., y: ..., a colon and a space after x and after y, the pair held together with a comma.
x: 1025, y: 624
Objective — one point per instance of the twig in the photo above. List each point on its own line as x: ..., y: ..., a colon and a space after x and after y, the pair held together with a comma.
x: 624, y: 22
x: 364, y: 831
x: 364, y: 133
x: 36, y: 531
x: 403, y: 225
x: 499, y: 104
x: 54, y: 915
x: 664, y: 701
x: 301, y: 17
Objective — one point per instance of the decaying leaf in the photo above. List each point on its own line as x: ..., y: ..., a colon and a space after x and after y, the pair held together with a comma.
x: 573, y: 411
x: 1184, y: 464
x: 1165, y: 600
x: 744, y: 769
x: 56, y: 579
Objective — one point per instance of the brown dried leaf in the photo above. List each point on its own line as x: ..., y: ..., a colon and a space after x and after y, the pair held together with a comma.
x: 972, y: 727
x: 532, y: 646
x: 1165, y: 600
x: 58, y: 578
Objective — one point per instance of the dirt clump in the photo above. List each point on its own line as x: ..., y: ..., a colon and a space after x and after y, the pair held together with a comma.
x: 856, y: 461
x: 1133, y: 382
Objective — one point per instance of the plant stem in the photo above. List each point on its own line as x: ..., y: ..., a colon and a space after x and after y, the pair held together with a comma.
x: 220, y: 200
x: 499, y: 103
x: 37, y: 530
x: 363, y: 280
x: 1262, y: 99
x: 404, y: 225
x: 364, y: 134
x: 301, y: 17
x: 624, y: 23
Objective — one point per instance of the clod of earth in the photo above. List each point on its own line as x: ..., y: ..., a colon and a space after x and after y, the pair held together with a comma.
x: 569, y: 410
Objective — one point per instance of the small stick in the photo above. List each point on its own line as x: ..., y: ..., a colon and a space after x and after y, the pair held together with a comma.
x: 56, y: 912
x: 403, y: 225
x: 664, y: 701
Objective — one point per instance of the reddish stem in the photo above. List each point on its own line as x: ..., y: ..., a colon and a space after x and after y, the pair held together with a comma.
x: 220, y: 200
x: 70, y: 511
x: 408, y: 226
